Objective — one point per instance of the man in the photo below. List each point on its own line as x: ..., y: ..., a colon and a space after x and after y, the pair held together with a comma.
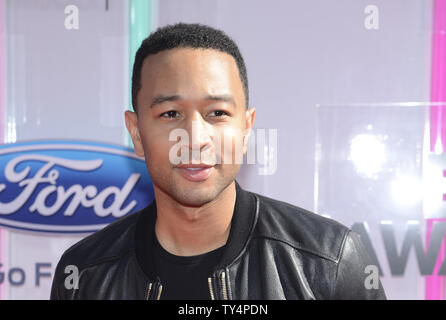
x: 204, y: 237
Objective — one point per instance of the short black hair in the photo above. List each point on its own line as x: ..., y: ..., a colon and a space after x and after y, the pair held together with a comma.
x: 185, y: 35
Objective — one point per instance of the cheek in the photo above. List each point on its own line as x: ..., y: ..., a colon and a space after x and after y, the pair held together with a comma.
x: 156, y: 148
x: 232, y: 146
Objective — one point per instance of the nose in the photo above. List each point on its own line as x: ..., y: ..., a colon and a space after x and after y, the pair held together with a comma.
x: 201, y: 135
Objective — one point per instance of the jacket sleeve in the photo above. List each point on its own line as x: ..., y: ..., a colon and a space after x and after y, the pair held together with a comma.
x: 58, y: 290
x: 356, y: 276
x: 57, y: 285
x: 54, y: 290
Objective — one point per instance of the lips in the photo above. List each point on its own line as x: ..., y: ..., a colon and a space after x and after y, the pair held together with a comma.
x: 196, y: 172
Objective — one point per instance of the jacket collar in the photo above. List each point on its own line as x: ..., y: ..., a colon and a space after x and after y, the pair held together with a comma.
x: 243, y: 221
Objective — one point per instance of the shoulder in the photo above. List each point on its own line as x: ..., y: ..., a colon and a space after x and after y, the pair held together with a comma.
x: 107, y: 244
x: 300, y: 228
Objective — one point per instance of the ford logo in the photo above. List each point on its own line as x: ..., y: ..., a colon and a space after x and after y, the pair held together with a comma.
x: 70, y: 186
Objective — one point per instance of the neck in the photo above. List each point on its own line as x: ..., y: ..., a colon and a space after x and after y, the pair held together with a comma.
x: 187, y: 231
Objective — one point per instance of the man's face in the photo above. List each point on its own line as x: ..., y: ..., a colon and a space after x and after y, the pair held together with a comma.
x: 197, y: 92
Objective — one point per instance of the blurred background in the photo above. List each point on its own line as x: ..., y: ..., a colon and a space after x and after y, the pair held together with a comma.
x: 350, y: 122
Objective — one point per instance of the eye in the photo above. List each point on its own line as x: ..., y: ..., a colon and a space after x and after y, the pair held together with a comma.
x: 169, y: 114
x: 219, y: 113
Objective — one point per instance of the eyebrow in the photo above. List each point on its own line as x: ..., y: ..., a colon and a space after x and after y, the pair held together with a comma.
x: 162, y: 98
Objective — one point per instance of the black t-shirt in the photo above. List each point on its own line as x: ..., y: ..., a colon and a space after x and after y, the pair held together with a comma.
x: 185, y: 277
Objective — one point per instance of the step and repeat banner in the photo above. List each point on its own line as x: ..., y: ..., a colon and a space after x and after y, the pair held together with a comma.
x: 351, y: 116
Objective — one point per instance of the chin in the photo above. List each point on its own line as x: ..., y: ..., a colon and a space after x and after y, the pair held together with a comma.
x: 196, y: 197
x: 197, y: 194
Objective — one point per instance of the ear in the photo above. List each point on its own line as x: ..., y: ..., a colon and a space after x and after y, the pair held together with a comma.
x: 131, y: 122
x: 250, y: 116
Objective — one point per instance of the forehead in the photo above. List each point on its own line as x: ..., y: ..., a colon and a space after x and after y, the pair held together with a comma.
x: 206, y: 71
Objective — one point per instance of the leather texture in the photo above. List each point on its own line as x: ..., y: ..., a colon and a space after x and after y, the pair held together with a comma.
x: 274, y: 251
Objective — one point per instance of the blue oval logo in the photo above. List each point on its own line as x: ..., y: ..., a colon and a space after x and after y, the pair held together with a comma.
x: 70, y: 186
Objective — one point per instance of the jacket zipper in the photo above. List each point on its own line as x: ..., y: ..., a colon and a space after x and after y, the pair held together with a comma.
x: 211, y: 291
x: 159, y: 292
x: 210, y: 288
x: 148, y: 291
x: 160, y: 289
x: 223, y: 286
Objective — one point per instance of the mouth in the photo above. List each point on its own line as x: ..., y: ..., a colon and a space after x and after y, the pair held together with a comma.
x: 196, y: 172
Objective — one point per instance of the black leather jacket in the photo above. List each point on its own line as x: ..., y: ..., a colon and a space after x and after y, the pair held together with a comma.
x: 274, y: 251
